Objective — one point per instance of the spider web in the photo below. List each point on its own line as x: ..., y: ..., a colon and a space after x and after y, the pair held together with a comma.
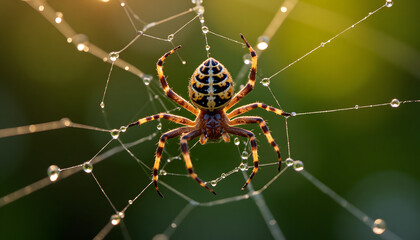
x: 351, y: 157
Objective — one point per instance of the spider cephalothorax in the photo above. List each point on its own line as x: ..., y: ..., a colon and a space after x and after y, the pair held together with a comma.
x: 211, y: 91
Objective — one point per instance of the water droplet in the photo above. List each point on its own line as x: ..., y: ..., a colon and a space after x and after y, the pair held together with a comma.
x: 389, y: 3
x: 170, y: 37
x: 162, y: 172
x: 123, y: 128
x: 146, y: 79
x: 265, y: 82
x: 113, y: 56
x: 289, y: 162
x: 379, y: 226
x: 59, y: 17
x: 80, y: 46
x: 322, y: 44
x: 184, y: 62
x: 121, y: 214
x: 115, y: 219
x: 53, y: 172
x: 356, y: 106
x: 395, y: 103
x: 87, y: 167
x: 195, y: 1
x: 32, y: 128
x: 66, y: 122
x: 115, y: 133
x: 263, y: 42
x: 243, y: 166
x: 244, y: 155
x: 41, y: 8
x: 201, y: 19
x: 199, y: 10
x: 172, y: 158
x: 247, y: 59
x: 223, y: 175
x: 213, y: 183
x: 159, y: 126
x: 205, y: 29
x: 298, y: 165
x: 293, y: 114
x: 130, y: 202
x: 173, y: 225
x: 102, y: 105
x: 207, y: 47
x: 236, y: 141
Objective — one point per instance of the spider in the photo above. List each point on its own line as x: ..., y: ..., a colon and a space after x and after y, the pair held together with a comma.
x: 211, y: 91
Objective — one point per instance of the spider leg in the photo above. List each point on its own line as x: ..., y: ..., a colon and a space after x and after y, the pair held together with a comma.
x: 186, y: 154
x: 251, y: 82
x: 168, y: 91
x: 170, y: 134
x: 263, y: 126
x: 167, y: 116
x: 249, y: 107
x: 245, y: 133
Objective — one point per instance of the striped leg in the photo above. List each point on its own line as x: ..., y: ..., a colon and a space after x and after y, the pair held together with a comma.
x: 167, y: 116
x: 186, y: 155
x: 163, y: 138
x: 168, y: 91
x: 263, y: 126
x: 246, y: 133
x: 251, y: 82
x: 249, y: 107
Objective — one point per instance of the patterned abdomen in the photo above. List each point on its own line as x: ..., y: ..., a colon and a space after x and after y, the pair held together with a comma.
x: 211, y: 86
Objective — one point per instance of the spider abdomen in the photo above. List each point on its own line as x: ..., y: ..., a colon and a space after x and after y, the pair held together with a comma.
x: 211, y: 86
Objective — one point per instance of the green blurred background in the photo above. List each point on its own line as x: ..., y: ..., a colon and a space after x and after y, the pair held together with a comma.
x: 370, y: 156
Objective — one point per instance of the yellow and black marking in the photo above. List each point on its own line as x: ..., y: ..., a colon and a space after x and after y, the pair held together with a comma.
x: 255, y: 157
x: 167, y: 116
x: 249, y: 107
x: 159, y: 150
x: 251, y: 136
x: 251, y: 82
x: 187, y: 159
x: 168, y: 91
x: 211, y: 86
x: 264, y: 128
